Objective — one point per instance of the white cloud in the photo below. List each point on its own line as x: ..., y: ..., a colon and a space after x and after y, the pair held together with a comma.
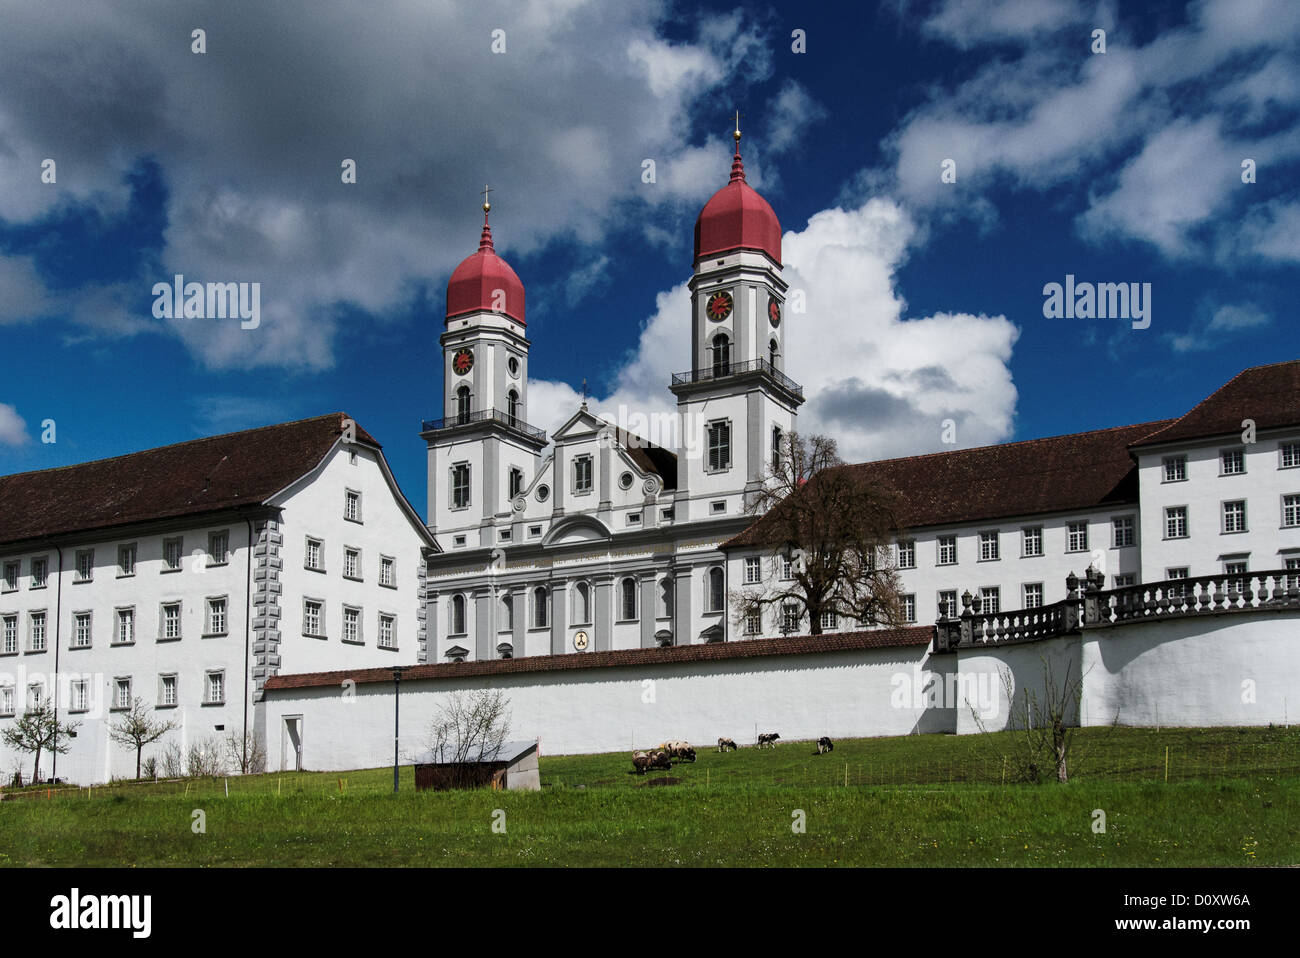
x: 880, y: 382
x: 13, y: 428
x: 1216, y: 324
x: 968, y: 23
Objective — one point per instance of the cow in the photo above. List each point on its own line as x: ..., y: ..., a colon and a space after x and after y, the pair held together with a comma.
x: 825, y: 745
x: 660, y: 759
x: 640, y: 762
x: 726, y: 745
x: 678, y: 749
x: 768, y: 739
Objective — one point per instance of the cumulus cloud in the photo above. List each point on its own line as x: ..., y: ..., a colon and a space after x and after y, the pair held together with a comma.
x: 878, y: 380
x: 13, y: 428
x: 250, y: 137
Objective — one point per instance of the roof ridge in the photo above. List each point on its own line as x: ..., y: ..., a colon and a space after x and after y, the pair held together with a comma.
x: 174, y: 445
x: 1159, y: 423
x: 1208, y: 399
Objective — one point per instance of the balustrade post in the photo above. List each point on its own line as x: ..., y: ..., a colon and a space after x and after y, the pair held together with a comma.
x: 967, y: 619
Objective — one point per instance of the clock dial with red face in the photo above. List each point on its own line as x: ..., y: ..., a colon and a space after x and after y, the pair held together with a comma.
x: 773, y: 311
x: 719, y: 306
x: 462, y: 362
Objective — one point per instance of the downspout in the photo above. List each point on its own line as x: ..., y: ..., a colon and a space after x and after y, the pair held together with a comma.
x: 248, y: 636
x: 58, y: 622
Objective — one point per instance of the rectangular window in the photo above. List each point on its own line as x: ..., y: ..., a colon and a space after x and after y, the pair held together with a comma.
x: 990, y: 599
x: 1234, y: 516
x: 218, y: 548
x: 753, y: 570
x: 122, y: 693
x: 582, y: 474
x: 829, y: 620
x: 1235, y: 568
x: 10, y: 634
x: 352, y: 505
x: 947, y: 604
x: 216, y: 616
x: 1175, y: 522
x: 167, y: 690
x: 1127, y: 579
x: 85, y: 565
x: 1176, y: 591
x: 173, y: 554
x: 787, y: 569
x: 1291, y: 510
x: 40, y: 572
x: 81, y: 630
x: 789, y: 617
x: 516, y: 483
x: 535, y: 531
x: 314, y: 551
x: 80, y: 696
x: 1033, y: 595
x: 12, y: 570
x: 909, y: 608
x: 906, y: 554
x: 1175, y: 468
x: 311, y: 618
x: 125, y: 633
x: 1076, y: 537
x: 351, y: 625
x: 171, y: 620
x: 1232, y: 462
x: 126, y: 559
x: 753, y: 623
x: 351, y: 563
x: 36, y: 636
x: 35, y: 695
x: 1290, y: 454
x: 947, y: 550
x: 460, y: 485
x: 387, y: 573
x: 6, y: 700
x: 216, y: 688
x: 1031, y: 541
x: 385, y: 631
x: 719, y: 446
x: 1293, y: 581
x: 988, y: 546
x: 634, y: 518
x: 540, y: 617
x: 717, y: 508
x: 1122, y: 532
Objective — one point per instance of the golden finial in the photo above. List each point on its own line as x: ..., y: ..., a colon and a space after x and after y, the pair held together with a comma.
x: 737, y: 133
x: 485, y: 191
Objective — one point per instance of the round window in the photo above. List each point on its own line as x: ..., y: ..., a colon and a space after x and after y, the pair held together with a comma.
x: 512, y: 364
x: 625, y: 480
x: 543, y: 491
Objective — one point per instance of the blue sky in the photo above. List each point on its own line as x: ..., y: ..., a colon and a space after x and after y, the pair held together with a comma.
x: 925, y: 299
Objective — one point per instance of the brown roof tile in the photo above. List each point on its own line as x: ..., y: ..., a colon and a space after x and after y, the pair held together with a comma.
x: 904, y: 637
x: 1057, y: 474
x: 188, y: 478
x: 1270, y: 395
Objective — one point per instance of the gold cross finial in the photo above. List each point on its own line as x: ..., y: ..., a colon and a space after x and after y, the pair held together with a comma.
x: 737, y: 133
x: 485, y: 191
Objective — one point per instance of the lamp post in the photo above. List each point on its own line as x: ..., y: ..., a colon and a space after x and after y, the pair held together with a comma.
x: 397, y: 690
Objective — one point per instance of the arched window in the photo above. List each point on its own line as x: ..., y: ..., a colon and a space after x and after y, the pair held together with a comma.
x: 457, y: 615
x: 772, y: 353
x: 462, y: 404
x: 507, y: 614
x: 721, y: 355
x: 716, y: 592
x: 512, y: 405
x: 581, y: 603
x: 627, y: 599
x: 776, y: 448
x: 540, y: 608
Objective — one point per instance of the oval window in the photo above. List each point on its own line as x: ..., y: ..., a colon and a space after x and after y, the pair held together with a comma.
x: 625, y: 480
x: 543, y: 491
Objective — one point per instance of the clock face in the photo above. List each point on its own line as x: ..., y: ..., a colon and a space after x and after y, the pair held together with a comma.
x: 462, y: 362
x: 773, y: 311
x: 719, y: 306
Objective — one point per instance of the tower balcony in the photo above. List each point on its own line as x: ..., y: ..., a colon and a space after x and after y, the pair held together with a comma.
x: 719, y: 372
x: 470, y: 419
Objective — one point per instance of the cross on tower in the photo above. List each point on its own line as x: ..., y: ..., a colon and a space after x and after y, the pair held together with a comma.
x: 485, y: 191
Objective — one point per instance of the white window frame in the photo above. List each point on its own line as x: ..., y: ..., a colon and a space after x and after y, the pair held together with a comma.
x: 942, y: 542
x: 1182, y: 513
x: 990, y: 545
x: 212, y: 619
x: 1224, y: 514
x: 1025, y: 538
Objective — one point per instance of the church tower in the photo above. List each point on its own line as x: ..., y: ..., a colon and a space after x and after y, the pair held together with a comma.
x: 482, y: 453
x: 735, y: 403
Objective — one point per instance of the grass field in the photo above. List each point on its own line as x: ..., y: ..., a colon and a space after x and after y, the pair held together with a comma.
x: 922, y: 800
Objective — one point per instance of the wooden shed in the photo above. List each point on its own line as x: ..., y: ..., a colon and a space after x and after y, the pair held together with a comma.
x: 513, y: 765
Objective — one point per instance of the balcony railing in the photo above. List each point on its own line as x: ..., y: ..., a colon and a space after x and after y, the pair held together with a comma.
x: 727, y: 370
x: 484, y: 415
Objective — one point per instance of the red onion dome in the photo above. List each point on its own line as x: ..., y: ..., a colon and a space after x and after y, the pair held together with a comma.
x: 737, y: 217
x: 474, y: 283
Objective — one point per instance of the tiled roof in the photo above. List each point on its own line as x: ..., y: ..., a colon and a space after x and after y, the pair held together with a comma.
x: 649, y: 457
x: 188, y: 478
x: 1058, y: 474
x: 904, y: 637
x: 1270, y: 395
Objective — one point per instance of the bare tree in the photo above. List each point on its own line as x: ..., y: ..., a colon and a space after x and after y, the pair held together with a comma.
x: 205, y: 759
x: 244, y: 752
x: 470, y: 726
x: 38, y: 730
x: 1044, y: 723
x: 835, y: 526
x: 137, y: 728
